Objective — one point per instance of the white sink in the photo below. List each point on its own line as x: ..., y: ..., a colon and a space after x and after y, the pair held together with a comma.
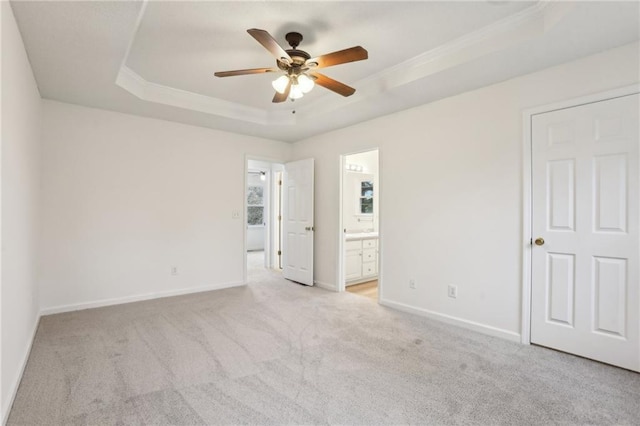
x: 360, y: 235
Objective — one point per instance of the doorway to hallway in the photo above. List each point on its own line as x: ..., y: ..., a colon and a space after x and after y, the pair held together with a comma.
x: 263, y: 216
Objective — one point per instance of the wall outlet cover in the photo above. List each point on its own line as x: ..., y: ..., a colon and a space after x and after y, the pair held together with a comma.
x: 452, y: 291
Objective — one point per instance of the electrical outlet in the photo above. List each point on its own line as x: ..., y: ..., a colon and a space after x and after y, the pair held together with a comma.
x: 174, y: 270
x: 235, y: 214
x: 452, y: 291
x: 412, y: 284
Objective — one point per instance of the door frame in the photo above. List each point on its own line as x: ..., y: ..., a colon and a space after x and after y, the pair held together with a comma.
x: 340, y: 257
x: 277, y: 172
x: 527, y: 188
x: 271, y: 216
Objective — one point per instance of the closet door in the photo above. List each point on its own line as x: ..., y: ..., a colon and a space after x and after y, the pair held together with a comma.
x: 585, y: 257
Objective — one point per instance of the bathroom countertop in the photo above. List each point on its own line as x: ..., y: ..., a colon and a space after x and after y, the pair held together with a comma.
x: 360, y: 236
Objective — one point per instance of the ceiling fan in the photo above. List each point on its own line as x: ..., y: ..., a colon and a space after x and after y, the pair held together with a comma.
x: 299, y: 67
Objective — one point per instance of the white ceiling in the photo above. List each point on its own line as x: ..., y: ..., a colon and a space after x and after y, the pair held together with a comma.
x: 180, y: 47
x: 157, y: 58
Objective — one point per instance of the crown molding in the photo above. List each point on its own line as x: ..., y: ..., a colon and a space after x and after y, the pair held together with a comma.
x: 149, y: 91
x: 507, y: 32
x: 515, y: 29
x: 158, y: 93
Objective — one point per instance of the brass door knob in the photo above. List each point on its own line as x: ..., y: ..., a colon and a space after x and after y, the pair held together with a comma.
x: 539, y: 241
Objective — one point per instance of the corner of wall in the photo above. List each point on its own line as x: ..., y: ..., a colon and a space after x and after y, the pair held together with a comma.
x: 326, y: 286
x: 20, y: 207
x: 8, y: 400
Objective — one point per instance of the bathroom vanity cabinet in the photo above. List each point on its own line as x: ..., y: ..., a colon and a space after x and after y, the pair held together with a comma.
x: 361, y: 258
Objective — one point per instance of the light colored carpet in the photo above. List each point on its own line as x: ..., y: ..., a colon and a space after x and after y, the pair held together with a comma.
x: 276, y: 352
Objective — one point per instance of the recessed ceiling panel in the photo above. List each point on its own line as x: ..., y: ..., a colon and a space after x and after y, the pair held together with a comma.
x: 181, y: 44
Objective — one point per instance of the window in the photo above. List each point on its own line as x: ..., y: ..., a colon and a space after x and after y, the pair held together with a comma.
x: 255, y: 206
x: 366, y: 197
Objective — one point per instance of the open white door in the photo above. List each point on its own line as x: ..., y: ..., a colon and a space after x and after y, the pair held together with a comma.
x: 585, y: 262
x: 297, y: 253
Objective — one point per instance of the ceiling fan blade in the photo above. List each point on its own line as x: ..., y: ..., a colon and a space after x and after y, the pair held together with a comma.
x: 245, y: 72
x: 333, y: 85
x: 281, y: 97
x: 269, y: 43
x: 357, y: 53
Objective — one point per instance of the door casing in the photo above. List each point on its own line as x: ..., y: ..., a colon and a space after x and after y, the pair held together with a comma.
x: 527, y: 181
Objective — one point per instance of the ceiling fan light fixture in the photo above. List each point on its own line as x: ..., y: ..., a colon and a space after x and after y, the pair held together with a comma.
x: 280, y: 83
x: 296, y: 92
x: 296, y: 63
x: 305, y: 83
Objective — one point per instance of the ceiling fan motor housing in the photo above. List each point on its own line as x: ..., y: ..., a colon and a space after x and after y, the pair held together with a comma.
x: 299, y: 56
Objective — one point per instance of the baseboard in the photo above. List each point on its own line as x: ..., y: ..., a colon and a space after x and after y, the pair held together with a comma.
x: 13, y: 390
x: 137, y: 298
x: 325, y: 286
x: 471, y: 325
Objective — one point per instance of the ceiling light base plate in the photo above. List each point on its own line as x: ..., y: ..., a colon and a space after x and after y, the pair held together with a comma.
x: 293, y: 39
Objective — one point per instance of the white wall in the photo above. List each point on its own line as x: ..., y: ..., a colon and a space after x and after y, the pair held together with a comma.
x: 127, y: 198
x: 451, y: 191
x: 368, y: 160
x: 255, y: 238
x: 21, y: 132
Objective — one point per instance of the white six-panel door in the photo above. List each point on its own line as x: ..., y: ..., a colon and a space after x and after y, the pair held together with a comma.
x: 585, y: 274
x: 297, y: 249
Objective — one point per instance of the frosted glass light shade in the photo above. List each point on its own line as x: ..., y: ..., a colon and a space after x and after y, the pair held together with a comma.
x: 280, y: 83
x: 296, y: 92
x: 306, y: 83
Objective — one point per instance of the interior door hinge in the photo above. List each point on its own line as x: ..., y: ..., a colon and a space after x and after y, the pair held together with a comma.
x: 531, y: 241
x: 280, y: 182
x: 279, y: 253
x: 279, y: 217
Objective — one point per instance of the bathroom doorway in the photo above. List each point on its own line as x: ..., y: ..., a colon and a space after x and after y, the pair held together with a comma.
x: 263, y: 215
x: 359, y: 271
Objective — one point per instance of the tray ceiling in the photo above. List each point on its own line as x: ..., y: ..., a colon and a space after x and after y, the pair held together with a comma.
x: 157, y: 58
